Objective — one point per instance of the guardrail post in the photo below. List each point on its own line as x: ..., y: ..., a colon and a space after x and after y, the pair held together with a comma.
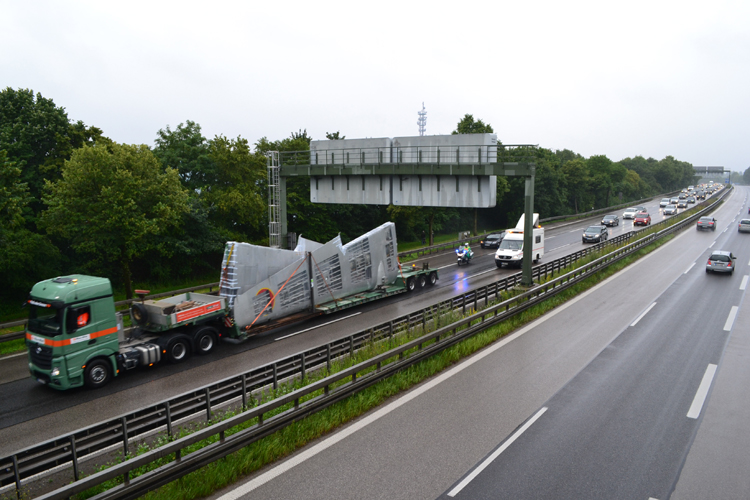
x: 463, y: 304
x: 17, y: 477
x: 168, y: 409
x: 390, y: 329
x: 275, y: 377
x: 74, y: 455
x: 351, y: 346
x: 208, y: 404
x: 124, y: 424
x: 244, y: 391
x: 303, y: 367
x: 328, y: 357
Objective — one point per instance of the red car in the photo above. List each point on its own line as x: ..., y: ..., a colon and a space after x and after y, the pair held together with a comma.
x: 642, y: 219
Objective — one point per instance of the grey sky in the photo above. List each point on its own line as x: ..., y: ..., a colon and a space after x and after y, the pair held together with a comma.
x: 622, y: 79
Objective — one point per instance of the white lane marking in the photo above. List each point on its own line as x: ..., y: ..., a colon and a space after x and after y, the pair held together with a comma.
x: 577, y: 230
x: 642, y: 314
x: 725, y: 230
x: 712, y: 244
x: 549, y: 237
x: 319, y: 326
x: 744, y: 282
x: 700, y: 396
x: 730, y: 319
x: 689, y: 268
x: 563, y: 246
x: 327, y: 443
x: 455, y: 491
x: 13, y: 355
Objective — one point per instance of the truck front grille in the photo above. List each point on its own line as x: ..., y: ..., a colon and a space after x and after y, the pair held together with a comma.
x: 41, y: 356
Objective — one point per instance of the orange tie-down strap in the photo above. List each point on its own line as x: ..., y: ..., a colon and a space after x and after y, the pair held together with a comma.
x: 75, y: 340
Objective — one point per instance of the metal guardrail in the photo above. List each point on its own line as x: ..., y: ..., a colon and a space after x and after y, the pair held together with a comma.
x: 121, y: 431
x: 376, y: 368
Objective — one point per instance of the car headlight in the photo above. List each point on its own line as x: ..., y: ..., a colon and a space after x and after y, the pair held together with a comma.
x: 55, y: 371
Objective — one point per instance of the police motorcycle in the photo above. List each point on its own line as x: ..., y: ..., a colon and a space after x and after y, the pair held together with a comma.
x: 464, y: 254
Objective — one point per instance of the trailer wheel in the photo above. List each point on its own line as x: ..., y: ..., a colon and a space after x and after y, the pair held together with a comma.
x: 432, y: 278
x: 204, y: 339
x: 422, y: 280
x: 178, y: 350
x: 411, y: 284
x: 138, y: 313
x: 97, y: 374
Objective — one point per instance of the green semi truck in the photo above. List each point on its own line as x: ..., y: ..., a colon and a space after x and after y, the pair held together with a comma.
x: 76, y: 338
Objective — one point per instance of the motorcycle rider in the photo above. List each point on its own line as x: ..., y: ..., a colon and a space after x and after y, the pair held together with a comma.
x: 467, y: 250
x: 465, y: 253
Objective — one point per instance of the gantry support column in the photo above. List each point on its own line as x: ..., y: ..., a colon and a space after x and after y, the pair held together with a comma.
x: 528, y: 229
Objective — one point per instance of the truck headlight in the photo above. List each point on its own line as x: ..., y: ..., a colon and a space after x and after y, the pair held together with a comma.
x: 55, y: 371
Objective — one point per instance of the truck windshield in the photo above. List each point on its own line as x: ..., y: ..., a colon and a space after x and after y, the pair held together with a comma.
x: 511, y: 244
x: 45, y: 320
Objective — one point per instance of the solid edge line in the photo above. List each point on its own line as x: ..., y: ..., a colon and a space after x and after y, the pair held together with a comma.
x: 455, y: 491
x: 744, y: 282
x: 642, y: 314
x: 700, y: 396
x: 315, y: 327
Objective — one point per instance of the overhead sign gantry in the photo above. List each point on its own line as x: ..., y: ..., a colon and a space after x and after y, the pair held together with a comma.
x: 438, y: 171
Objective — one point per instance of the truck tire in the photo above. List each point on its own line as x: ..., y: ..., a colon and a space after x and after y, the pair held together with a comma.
x: 204, y: 339
x: 97, y: 374
x: 178, y: 350
x: 411, y: 284
x: 138, y: 313
x: 422, y: 280
x: 432, y: 279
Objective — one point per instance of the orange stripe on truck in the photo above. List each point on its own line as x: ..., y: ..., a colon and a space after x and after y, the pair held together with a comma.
x: 60, y: 343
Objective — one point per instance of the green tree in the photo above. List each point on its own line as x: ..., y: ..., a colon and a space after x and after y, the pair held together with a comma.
x: 746, y: 176
x: 335, y: 136
x: 234, y: 194
x: 14, y: 194
x: 113, y: 202
x: 468, y: 125
x: 186, y: 150
x: 38, y: 136
x: 577, y: 184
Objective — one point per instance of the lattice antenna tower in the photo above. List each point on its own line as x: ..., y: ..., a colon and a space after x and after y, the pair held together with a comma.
x: 422, y: 122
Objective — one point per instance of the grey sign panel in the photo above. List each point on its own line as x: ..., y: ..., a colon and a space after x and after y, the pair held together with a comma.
x: 352, y: 189
x: 350, y: 151
x: 462, y: 191
x: 459, y: 148
x: 338, y: 270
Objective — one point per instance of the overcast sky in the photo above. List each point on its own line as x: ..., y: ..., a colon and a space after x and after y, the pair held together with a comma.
x: 621, y: 79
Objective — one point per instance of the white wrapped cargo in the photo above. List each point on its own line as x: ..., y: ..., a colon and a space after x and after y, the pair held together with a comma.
x: 261, y: 290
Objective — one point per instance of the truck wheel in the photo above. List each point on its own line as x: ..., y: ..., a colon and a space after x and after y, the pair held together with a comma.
x: 204, y: 339
x: 178, y: 350
x: 138, y: 313
x: 432, y: 279
x: 422, y: 280
x: 97, y: 374
x: 411, y: 284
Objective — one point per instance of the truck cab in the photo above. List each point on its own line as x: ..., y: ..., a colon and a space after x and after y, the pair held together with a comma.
x: 72, y: 332
x: 510, y: 251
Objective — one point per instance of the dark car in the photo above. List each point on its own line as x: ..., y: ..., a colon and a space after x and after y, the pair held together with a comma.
x: 682, y: 204
x: 691, y: 199
x: 721, y: 261
x: 706, y: 223
x: 611, y: 220
x: 642, y: 219
x: 492, y: 240
x: 595, y: 234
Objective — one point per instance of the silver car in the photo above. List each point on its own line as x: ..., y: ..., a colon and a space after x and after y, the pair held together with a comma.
x: 721, y: 261
x: 744, y: 226
x: 670, y: 210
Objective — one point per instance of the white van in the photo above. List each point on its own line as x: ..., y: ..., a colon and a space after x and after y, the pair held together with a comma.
x: 510, y: 251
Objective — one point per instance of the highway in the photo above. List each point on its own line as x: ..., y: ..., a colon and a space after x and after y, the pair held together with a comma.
x: 32, y: 413
x: 633, y: 390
